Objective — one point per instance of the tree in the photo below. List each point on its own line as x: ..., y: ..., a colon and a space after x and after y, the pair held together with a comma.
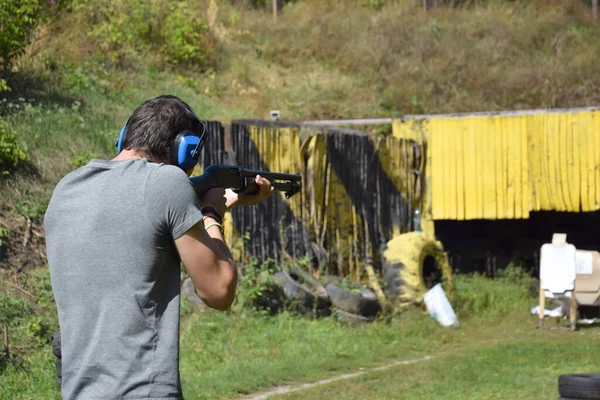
x: 18, y: 18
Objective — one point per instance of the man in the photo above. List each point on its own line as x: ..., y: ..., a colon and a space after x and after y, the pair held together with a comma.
x: 116, y: 231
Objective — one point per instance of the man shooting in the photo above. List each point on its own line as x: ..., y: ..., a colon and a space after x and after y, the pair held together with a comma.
x: 116, y: 232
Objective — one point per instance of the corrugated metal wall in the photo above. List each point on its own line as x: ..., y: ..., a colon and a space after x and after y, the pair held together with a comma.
x: 504, y: 166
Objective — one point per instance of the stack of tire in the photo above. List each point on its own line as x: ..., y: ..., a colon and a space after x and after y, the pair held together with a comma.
x: 579, y: 387
x: 308, y: 296
x: 57, y: 354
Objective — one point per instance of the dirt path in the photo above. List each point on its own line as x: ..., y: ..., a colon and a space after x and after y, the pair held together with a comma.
x: 288, y: 389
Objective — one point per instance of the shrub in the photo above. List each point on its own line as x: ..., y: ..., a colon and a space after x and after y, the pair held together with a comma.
x: 184, y: 37
x: 19, y: 18
x: 12, y: 151
x: 257, y: 289
x: 174, y: 32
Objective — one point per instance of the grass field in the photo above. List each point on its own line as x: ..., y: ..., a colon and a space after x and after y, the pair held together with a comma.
x: 511, y: 370
x: 496, y: 353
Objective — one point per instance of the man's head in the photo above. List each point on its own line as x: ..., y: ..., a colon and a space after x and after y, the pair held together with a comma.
x: 153, y: 127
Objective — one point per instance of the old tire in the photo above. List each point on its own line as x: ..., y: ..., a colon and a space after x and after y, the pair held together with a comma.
x: 351, y: 319
x: 363, y: 303
x: 409, y: 260
x: 304, y: 292
x: 56, y: 344
x: 579, y: 386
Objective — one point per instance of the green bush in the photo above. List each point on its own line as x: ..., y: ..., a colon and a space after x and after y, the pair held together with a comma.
x: 184, y: 37
x: 12, y: 309
x: 12, y: 151
x: 257, y: 289
x: 174, y: 32
x: 19, y: 18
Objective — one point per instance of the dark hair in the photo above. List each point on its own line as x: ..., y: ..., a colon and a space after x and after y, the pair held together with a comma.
x: 153, y: 127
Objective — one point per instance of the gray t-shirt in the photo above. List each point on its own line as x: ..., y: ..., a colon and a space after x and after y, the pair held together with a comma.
x: 115, y: 276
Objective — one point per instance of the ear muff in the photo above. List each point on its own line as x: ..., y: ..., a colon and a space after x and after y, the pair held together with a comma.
x: 119, y: 142
x: 186, y: 149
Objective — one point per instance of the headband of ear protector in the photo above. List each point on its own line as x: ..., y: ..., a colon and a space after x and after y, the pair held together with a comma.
x: 187, y: 146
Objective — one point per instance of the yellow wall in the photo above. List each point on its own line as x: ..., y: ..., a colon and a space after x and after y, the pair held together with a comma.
x: 504, y: 166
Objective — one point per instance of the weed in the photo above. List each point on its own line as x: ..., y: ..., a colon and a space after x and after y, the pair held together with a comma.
x: 32, y: 209
x: 3, y: 233
x: 80, y: 160
x: 12, y: 151
x: 257, y: 289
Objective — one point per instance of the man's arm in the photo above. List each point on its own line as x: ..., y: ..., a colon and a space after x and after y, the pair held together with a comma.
x: 205, y: 254
x: 209, y: 263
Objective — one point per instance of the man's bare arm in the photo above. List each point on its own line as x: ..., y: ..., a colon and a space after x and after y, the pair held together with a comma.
x: 210, y: 265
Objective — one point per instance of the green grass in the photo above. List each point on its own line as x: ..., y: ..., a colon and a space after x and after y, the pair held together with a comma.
x: 226, y: 355
x: 522, y: 370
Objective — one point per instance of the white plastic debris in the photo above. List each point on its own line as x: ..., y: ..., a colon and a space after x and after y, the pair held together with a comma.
x: 439, y: 307
x: 556, y: 312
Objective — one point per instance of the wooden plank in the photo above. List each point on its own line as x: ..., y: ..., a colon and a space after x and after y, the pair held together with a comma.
x: 436, y: 147
x: 478, y: 133
x: 590, y: 165
x: 526, y: 204
x: 500, y: 169
x: 597, y: 158
x: 552, y: 164
x: 561, y: 155
x: 510, y: 189
x: 572, y: 178
x: 576, y: 150
x: 460, y: 176
x: 454, y: 153
x: 489, y: 169
x: 544, y: 172
x: 471, y: 175
x: 516, y: 161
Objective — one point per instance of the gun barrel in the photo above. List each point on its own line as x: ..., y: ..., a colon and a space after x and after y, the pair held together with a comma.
x: 272, y: 175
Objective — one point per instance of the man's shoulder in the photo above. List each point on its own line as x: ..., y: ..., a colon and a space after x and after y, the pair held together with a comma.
x: 165, y: 176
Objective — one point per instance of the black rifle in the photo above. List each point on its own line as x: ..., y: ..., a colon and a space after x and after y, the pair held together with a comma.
x: 241, y: 180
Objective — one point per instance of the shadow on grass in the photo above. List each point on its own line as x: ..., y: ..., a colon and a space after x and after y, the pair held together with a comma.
x: 32, y: 87
x: 25, y: 170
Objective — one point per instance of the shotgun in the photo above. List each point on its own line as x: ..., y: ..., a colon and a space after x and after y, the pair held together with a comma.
x: 241, y: 180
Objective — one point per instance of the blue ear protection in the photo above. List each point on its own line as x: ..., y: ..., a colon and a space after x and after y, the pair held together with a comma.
x: 186, y: 149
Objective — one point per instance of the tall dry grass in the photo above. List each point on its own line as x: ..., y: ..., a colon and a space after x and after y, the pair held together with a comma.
x: 500, y: 55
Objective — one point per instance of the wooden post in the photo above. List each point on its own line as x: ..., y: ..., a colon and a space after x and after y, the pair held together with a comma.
x: 595, y: 9
x: 277, y: 6
x: 573, y: 310
x: 542, y: 307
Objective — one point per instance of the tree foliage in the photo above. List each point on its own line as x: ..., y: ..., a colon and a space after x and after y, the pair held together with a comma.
x: 12, y: 151
x: 18, y: 18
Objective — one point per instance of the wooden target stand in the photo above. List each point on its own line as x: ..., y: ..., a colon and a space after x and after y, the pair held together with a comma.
x: 558, y: 239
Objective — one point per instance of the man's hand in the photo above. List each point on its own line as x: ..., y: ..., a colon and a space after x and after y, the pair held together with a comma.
x: 264, y: 190
x: 224, y: 199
